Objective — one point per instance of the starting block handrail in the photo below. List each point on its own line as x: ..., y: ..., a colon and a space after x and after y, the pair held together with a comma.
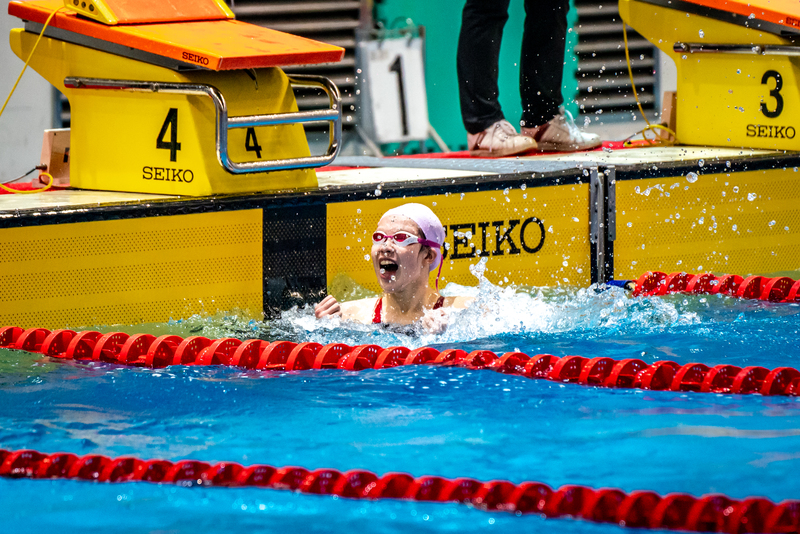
x: 332, y: 115
x: 762, y: 50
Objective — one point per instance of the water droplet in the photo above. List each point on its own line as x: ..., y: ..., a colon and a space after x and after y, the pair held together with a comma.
x: 738, y: 71
x: 772, y: 223
x: 735, y: 188
x: 786, y: 228
x: 366, y: 257
x: 691, y: 177
x: 378, y: 192
x: 701, y: 163
x: 751, y: 16
x: 523, y: 187
x: 751, y: 196
x: 702, y: 34
x: 630, y: 224
x: 575, y: 219
x: 734, y: 227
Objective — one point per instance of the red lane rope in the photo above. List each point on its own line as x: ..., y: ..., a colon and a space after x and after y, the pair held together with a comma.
x: 145, y: 350
x: 638, y: 509
x: 778, y: 289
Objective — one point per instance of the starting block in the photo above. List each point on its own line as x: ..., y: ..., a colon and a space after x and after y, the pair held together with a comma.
x: 737, y: 65
x: 176, y: 97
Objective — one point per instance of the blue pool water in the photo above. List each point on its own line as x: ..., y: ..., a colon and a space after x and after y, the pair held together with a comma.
x: 422, y: 420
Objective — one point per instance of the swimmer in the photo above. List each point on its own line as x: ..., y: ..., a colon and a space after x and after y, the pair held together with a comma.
x: 406, y: 247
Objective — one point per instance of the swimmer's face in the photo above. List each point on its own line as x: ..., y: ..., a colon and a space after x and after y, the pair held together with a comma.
x: 398, y: 268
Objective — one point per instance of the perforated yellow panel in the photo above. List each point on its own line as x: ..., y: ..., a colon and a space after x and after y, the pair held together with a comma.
x: 132, y: 270
x: 741, y: 223
x: 554, y: 217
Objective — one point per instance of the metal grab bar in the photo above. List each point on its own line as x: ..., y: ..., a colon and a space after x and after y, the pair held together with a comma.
x: 763, y: 50
x: 332, y: 115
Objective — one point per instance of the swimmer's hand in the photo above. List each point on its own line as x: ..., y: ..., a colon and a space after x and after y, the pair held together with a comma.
x: 329, y: 307
x: 434, y: 321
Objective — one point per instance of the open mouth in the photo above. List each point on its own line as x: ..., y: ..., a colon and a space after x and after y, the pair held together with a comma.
x: 388, y: 266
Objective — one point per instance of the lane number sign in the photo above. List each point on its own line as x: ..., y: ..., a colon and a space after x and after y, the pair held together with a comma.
x: 394, y: 102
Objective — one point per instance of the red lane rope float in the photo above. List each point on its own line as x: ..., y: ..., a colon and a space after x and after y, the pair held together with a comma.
x: 145, y: 350
x: 638, y: 509
x: 778, y: 289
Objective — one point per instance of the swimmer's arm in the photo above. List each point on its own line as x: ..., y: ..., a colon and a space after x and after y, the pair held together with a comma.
x: 354, y: 310
x: 358, y: 310
x: 328, y: 307
x: 458, y: 302
x: 435, y: 321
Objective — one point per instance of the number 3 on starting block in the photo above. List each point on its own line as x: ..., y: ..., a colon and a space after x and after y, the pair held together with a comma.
x: 728, y: 101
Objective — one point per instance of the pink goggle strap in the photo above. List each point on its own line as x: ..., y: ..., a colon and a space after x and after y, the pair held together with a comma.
x: 439, y: 273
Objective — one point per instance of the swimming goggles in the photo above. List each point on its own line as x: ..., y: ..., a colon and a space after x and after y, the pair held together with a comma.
x: 403, y: 239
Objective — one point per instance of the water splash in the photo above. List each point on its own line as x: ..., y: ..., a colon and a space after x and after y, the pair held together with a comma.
x: 499, y: 311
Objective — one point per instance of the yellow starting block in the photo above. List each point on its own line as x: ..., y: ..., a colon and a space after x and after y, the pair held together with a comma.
x: 737, y: 65
x: 175, y: 97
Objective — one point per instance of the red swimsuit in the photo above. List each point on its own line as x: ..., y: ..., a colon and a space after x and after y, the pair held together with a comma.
x: 376, y: 316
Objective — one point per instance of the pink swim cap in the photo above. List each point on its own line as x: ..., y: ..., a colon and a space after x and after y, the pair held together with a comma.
x: 428, y: 222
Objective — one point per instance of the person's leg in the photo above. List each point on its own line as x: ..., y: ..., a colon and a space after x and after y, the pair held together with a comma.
x: 542, y: 60
x: 482, y: 23
x: 542, y: 68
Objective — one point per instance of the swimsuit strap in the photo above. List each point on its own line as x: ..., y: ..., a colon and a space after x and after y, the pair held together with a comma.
x: 376, y: 315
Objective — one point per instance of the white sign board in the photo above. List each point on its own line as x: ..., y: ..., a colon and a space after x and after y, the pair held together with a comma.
x: 393, y: 78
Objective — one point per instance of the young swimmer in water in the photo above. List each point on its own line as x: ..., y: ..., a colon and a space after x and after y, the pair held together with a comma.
x: 406, y: 247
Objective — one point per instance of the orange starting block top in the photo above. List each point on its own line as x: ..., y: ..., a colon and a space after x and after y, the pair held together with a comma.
x: 215, y: 44
x: 783, y: 13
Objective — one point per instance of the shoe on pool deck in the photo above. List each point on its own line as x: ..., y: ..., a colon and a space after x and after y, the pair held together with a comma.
x: 561, y: 134
x: 498, y: 140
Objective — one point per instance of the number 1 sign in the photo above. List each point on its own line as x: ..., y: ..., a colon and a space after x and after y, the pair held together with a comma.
x: 393, y: 102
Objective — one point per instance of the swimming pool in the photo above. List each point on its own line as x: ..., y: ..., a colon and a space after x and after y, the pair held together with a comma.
x: 423, y: 420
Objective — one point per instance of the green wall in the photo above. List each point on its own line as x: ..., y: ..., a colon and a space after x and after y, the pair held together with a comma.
x: 442, y: 21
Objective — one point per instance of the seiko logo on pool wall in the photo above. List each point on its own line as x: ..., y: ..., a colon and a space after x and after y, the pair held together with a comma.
x: 166, y: 174
x: 497, y: 238
x: 775, y: 132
